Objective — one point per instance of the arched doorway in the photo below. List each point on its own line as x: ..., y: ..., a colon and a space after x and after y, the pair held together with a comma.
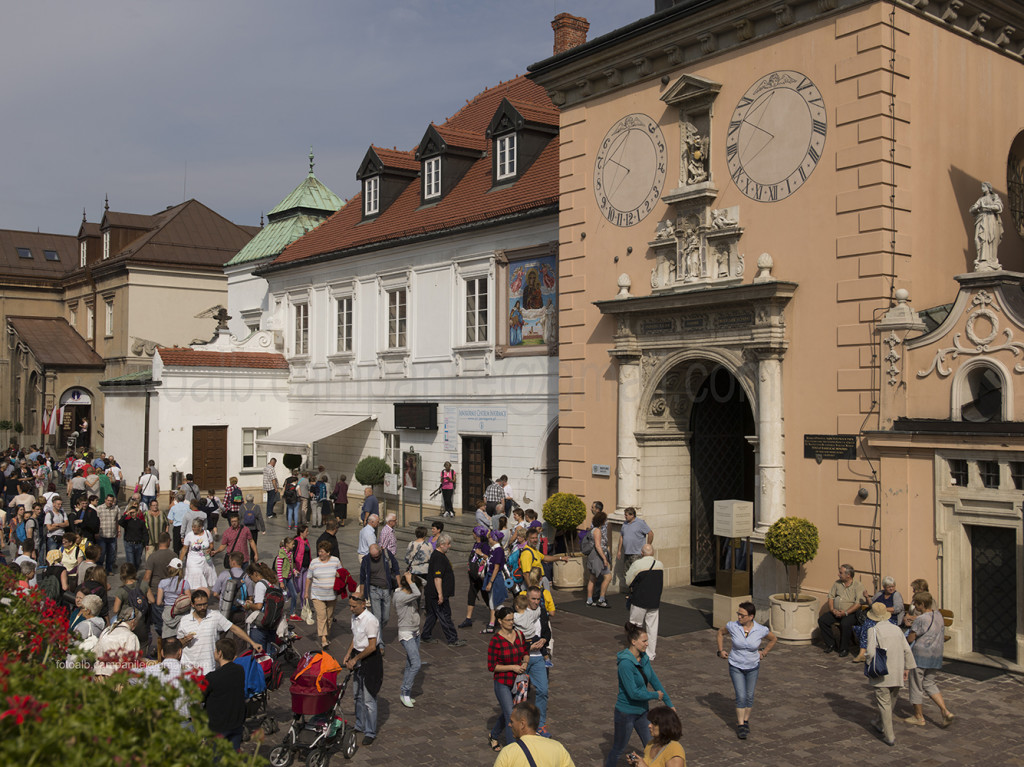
x: 76, y: 425
x: 722, y: 462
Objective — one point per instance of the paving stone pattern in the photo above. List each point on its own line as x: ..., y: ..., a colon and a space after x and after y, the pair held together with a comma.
x: 810, y: 708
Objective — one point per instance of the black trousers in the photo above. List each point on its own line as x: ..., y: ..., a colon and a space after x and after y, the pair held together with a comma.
x: 846, y: 624
x: 439, y: 613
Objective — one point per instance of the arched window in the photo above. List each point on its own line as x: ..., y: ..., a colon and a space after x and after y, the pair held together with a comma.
x: 981, y: 395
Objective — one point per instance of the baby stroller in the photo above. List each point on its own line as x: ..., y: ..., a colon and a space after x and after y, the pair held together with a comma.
x: 258, y: 686
x: 316, y: 694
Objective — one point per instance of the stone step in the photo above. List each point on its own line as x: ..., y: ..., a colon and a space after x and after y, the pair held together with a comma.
x: 460, y: 528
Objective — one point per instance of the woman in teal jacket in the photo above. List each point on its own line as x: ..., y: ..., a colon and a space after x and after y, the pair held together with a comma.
x: 635, y: 677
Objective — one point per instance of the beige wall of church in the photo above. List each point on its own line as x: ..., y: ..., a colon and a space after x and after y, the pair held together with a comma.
x: 956, y: 117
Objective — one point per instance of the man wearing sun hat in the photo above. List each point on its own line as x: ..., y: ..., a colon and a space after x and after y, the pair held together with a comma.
x: 888, y: 637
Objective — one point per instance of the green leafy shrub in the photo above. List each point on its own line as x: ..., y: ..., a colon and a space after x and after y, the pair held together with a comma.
x: 5, y: 425
x: 794, y: 542
x: 565, y: 512
x: 54, y: 712
x: 371, y: 470
x: 291, y: 461
x: 18, y: 427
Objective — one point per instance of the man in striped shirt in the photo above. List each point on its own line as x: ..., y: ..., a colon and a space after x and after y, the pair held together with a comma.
x: 387, y: 534
x: 270, y: 486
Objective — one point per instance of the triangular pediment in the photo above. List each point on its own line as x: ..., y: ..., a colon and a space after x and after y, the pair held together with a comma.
x: 431, y: 144
x: 370, y: 166
x: 690, y: 89
x: 506, y: 118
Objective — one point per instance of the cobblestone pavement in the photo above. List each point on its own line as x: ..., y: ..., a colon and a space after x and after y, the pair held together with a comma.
x: 810, y: 708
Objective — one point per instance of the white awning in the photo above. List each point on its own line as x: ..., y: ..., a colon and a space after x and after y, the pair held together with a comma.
x: 299, y: 437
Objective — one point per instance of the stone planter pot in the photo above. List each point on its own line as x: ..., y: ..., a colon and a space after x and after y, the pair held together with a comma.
x: 569, y: 575
x: 793, y: 622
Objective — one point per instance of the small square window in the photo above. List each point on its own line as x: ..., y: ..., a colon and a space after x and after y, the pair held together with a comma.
x: 1017, y: 474
x: 958, y: 472
x: 371, y: 196
x: 505, y: 151
x: 432, y: 178
x: 51, y: 255
x: 24, y: 253
x: 989, y: 471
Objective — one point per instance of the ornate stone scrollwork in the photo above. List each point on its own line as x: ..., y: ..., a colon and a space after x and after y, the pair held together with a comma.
x: 892, y: 372
x: 985, y: 310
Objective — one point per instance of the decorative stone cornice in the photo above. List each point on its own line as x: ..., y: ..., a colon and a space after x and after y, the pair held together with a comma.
x: 658, y: 45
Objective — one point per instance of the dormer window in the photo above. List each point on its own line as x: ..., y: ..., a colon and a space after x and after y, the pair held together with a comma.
x: 371, y: 196
x: 106, y: 245
x: 81, y: 253
x: 431, y: 178
x: 505, y: 152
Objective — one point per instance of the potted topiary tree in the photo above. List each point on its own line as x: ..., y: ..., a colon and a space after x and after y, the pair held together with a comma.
x: 565, y: 512
x: 370, y: 473
x: 793, y: 541
x: 291, y: 461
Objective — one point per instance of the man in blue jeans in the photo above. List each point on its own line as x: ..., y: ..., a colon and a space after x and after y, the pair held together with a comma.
x: 534, y: 623
x: 109, y: 514
x: 270, y: 486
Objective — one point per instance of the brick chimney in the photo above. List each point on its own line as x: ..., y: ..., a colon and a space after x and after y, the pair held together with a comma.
x: 570, y: 31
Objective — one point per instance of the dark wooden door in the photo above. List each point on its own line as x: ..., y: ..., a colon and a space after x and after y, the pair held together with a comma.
x: 210, y: 457
x: 476, y: 471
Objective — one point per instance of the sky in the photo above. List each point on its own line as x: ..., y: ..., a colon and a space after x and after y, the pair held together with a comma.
x: 153, y: 103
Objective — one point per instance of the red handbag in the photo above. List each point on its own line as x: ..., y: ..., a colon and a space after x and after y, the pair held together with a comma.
x: 344, y: 584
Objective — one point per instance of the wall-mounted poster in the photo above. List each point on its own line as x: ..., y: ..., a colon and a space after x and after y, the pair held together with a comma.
x: 410, y: 470
x: 533, y: 302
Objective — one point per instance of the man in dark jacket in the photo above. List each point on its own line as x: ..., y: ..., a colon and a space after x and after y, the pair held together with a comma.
x: 646, y: 578
x: 225, y: 694
x: 378, y: 575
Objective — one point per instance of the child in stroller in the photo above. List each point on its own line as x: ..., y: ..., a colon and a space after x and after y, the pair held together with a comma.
x: 316, y: 694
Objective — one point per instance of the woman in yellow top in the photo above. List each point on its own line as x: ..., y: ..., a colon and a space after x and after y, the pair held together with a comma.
x: 664, y: 749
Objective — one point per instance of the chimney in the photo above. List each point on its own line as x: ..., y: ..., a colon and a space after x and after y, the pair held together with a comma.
x: 570, y: 31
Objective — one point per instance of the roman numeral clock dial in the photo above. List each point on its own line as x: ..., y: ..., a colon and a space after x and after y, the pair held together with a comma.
x: 776, y: 136
x: 630, y: 170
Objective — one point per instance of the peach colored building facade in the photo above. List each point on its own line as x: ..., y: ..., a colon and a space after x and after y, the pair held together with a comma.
x: 744, y: 188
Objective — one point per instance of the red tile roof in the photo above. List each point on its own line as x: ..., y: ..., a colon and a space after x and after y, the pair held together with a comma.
x: 461, y: 138
x: 471, y: 201
x: 536, y: 113
x: 183, y: 357
x: 394, y: 158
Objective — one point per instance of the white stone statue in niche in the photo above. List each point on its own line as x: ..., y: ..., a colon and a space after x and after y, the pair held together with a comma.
x: 691, y: 256
x: 722, y: 261
x: 695, y: 155
x: 988, y: 229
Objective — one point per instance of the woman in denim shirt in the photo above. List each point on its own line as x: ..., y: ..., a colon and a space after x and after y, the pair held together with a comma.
x: 746, y: 635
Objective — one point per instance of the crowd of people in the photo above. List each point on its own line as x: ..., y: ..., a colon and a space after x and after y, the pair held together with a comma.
x: 192, y: 588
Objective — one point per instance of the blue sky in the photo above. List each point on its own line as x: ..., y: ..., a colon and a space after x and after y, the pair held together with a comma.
x: 118, y: 97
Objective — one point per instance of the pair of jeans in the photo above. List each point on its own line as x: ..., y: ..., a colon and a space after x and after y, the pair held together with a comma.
x: 272, y: 498
x: 108, y: 553
x: 53, y: 542
x: 293, y: 596
x: 133, y: 554
x: 624, y: 724
x: 366, y: 707
x: 263, y: 637
x: 538, y: 674
x: 380, y: 606
x: 293, y: 514
x: 504, y: 695
x: 439, y: 613
x: 412, y: 663
x: 744, y: 680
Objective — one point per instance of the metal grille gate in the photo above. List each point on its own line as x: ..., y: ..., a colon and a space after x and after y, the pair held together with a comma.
x: 994, y: 590
x: 721, y: 462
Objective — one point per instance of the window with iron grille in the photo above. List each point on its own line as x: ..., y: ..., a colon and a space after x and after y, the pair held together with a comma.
x: 989, y: 471
x: 958, y: 471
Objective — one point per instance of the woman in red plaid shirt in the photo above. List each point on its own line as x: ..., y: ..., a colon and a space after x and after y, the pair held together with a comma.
x: 507, y: 656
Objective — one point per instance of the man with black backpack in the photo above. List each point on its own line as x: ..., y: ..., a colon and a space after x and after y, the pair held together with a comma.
x: 232, y: 498
x: 190, y: 489
x: 252, y: 518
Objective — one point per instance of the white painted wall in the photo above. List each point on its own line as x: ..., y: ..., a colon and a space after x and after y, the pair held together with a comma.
x: 245, y: 292
x: 125, y: 430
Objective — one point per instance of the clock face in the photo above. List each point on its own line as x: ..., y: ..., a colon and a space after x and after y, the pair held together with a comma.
x: 776, y: 136
x: 630, y: 170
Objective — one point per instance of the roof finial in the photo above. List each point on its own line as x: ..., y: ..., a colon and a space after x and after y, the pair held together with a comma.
x: 311, y: 163
x: 83, y: 214
x: 106, y: 203
x: 261, y: 219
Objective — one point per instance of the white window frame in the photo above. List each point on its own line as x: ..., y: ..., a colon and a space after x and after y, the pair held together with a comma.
x: 397, y: 318
x: 393, y: 450
x: 256, y: 455
x: 371, y: 196
x: 300, y: 328
x: 431, y: 178
x: 106, y: 245
x: 475, y: 318
x: 73, y: 314
x: 343, y: 341
x: 81, y: 253
x: 505, y: 151
x: 90, y: 321
x: 108, y: 327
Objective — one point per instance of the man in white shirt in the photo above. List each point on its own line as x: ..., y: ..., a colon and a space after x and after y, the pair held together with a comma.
x: 168, y: 671
x: 367, y: 536
x: 199, y: 632
x: 364, y: 658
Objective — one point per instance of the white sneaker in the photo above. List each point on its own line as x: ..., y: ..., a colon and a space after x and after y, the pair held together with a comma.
x: 407, y: 701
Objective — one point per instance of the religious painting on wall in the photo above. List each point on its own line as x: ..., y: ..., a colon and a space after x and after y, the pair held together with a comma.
x: 532, y: 299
